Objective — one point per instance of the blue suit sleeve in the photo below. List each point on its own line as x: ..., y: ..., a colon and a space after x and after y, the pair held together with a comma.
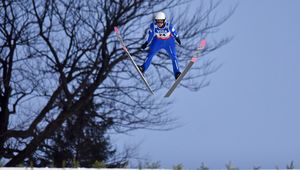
x: 173, y: 31
x: 150, y: 33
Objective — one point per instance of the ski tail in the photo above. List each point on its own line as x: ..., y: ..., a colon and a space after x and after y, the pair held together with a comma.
x: 178, y: 80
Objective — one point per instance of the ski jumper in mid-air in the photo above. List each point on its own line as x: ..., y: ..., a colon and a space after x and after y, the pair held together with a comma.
x: 162, y: 35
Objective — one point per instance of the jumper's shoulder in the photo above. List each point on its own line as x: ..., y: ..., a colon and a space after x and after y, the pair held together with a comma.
x: 168, y: 24
x: 151, y: 25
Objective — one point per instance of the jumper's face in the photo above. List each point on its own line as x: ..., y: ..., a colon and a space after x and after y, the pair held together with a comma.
x: 160, y: 23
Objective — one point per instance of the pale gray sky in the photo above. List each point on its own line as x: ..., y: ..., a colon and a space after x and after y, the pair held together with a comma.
x: 250, y: 113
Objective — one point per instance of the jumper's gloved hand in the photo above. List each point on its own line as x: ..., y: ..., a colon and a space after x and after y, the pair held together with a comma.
x: 144, y: 45
x: 178, y: 40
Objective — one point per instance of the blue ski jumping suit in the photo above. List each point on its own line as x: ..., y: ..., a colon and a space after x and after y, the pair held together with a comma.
x: 162, y: 38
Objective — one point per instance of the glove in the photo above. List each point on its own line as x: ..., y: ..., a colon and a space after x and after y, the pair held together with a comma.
x: 178, y: 40
x: 144, y: 45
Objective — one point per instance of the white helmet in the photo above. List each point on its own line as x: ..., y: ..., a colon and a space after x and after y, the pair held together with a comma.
x: 160, y: 16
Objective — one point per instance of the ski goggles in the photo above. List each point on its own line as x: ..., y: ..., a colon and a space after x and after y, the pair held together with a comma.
x: 159, y: 21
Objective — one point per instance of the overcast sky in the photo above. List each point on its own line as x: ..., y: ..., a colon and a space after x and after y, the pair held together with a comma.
x: 250, y: 113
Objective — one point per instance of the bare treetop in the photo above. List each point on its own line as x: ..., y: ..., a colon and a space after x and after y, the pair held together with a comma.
x: 57, y: 56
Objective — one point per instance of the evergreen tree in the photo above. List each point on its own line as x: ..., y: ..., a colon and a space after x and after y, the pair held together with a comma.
x: 81, y: 140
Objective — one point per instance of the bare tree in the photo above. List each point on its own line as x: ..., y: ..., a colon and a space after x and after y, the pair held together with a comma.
x: 56, y: 55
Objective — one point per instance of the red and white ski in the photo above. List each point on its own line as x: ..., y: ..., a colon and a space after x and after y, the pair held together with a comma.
x: 196, y: 55
x: 131, y: 59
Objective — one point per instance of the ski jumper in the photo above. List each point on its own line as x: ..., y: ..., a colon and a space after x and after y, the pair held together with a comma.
x: 162, y: 38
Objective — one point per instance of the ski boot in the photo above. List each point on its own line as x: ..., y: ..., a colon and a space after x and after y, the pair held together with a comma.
x: 141, y: 68
x: 177, y: 75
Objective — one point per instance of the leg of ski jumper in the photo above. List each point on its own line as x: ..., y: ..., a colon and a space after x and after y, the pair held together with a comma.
x: 171, y: 49
x: 155, y: 46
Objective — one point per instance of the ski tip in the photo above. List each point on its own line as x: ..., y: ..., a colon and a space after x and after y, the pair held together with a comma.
x: 116, y: 29
x: 194, y: 59
x: 202, y: 44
